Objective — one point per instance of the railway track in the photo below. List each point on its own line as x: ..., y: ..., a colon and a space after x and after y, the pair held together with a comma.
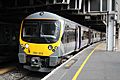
x: 18, y: 73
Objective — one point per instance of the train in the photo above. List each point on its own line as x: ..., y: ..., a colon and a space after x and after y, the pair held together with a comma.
x: 9, y: 44
x: 45, y: 38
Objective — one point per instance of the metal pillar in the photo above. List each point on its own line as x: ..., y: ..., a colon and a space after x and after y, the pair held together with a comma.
x: 63, y: 1
x: 53, y: 1
x: 68, y: 1
x: 114, y: 35
x: 84, y: 6
x: 80, y: 2
x: 75, y: 4
x: 119, y: 33
x: 88, y: 5
x: 101, y: 2
x: 109, y: 5
x: 110, y: 27
x: 107, y: 36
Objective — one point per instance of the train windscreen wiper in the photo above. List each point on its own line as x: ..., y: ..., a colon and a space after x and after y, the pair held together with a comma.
x: 48, y: 41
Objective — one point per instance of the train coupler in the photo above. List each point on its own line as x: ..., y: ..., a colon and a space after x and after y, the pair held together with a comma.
x: 35, y: 62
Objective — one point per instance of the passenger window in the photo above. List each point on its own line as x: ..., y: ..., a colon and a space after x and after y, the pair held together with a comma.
x: 69, y: 35
x: 85, y: 35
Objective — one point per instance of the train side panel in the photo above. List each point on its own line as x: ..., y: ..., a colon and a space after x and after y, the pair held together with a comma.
x: 70, y: 38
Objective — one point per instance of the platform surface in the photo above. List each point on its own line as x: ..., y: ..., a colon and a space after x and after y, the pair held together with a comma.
x: 92, y: 63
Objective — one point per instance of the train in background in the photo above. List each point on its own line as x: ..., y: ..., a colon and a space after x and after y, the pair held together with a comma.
x: 45, y: 38
x: 9, y: 42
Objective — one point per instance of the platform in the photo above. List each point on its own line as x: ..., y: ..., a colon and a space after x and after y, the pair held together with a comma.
x: 92, y: 63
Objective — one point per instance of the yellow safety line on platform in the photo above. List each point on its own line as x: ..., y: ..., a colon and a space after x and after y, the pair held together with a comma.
x: 83, y: 64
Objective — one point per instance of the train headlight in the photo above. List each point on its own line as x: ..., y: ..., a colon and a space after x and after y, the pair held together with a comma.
x: 55, y: 47
x: 26, y: 45
x: 50, y: 47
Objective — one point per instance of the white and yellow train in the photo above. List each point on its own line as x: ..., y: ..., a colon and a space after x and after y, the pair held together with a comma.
x: 45, y: 38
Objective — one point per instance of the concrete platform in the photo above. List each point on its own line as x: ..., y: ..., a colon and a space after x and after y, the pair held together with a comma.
x: 92, y: 63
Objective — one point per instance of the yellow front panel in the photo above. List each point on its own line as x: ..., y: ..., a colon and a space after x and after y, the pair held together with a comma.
x: 39, y: 49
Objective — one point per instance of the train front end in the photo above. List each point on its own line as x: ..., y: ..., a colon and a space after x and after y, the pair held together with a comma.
x: 39, y: 44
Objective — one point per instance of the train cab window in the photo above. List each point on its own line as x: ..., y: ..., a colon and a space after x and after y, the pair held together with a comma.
x: 47, y: 29
x: 50, y: 29
x: 41, y: 31
x: 29, y: 30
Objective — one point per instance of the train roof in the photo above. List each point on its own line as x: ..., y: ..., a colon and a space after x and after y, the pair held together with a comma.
x: 43, y: 15
x: 49, y: 15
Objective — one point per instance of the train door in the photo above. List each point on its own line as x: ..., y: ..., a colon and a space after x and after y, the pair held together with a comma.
x: 84, y: 36
x: 77, y: 37
x: 70, y: 38
x: 65, y: 39
x: 90, y: 39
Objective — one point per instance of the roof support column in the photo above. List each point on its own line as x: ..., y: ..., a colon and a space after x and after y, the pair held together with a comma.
x: 75, y: 4
x: 119, y: 33
x: 80, y: 3
x: 114, y: 34
x: 84, y: 6
x: 110, y: 34
x: 63, y: 1
x: 101, y: 2
x: 54, y: 1
x: 68, y: 1
x: 88, y: 5
x: 110, y: 27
